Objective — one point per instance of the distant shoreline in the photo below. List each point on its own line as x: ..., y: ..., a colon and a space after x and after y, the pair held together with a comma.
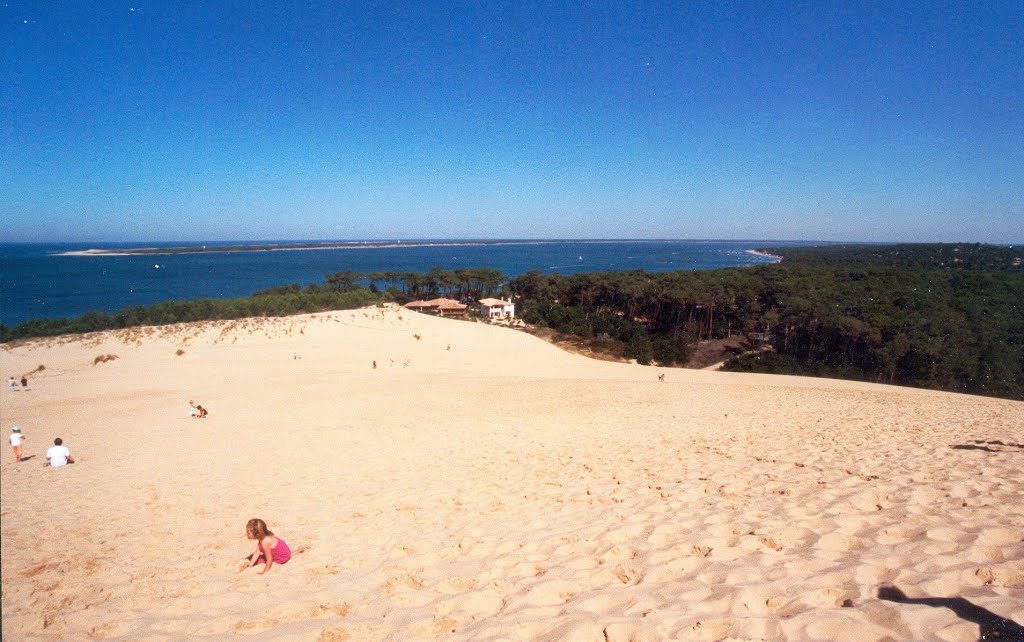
x: 108, y: 275
x: 276, y: 247
x: 340, y: 245
x: 774, y: 257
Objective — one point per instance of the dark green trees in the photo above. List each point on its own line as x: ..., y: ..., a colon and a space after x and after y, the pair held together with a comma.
x: 949, y: 317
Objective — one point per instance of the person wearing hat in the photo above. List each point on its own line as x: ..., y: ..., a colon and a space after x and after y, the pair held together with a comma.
x: 16, y: 438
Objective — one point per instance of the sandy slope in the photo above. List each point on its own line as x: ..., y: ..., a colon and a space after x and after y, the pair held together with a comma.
x: 483, y: 485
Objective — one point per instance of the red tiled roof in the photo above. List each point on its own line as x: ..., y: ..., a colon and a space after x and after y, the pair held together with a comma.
x: 439, y: 302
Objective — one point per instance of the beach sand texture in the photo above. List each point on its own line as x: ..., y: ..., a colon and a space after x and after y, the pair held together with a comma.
x: 481, y: 484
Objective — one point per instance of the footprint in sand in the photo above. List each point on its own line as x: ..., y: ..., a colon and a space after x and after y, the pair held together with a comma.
x: 323, y: 609
x: 630, y: 632
x: 899, y: 533
x: 334, y: 634
x: 551, y: 593
x: 673, y: 569
x: 713, y: 629
x: 474, y: 605
x: 627, y: 575
x: 986, y: 554
x: 943, y: 534
x: 1000, y: 537
x: 1008, y: 575
x: 404, y: 581
x: 768, y: 542
x: 876, y: 575
x: 664, y: 534
x: 872, y: 501
x: 32, y: 571
x: 830, y: 597
x: 605, y: 602
x: 455, y: 585
x: 255, y: 626
x: 838, y: 542
x: 764, y: 601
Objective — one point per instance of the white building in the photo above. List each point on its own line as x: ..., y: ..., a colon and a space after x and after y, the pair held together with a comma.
x: 497, y: 309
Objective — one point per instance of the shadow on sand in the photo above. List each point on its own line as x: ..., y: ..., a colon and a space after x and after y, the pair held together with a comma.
x: 994, y: 446
x: 992, y: 626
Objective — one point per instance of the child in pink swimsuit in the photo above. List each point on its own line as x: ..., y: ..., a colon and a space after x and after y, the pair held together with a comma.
x: 269, y: 549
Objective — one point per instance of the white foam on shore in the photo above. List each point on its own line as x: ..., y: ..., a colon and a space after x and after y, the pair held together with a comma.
x: 776, y: 258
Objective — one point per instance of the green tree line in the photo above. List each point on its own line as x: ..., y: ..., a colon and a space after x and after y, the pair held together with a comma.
x: 461, y: 283
x: 942, y: 316
x: 281, y: 301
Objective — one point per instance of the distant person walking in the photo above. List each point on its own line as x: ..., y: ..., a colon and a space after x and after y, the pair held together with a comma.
x: 59, y: 455
x: 16, y: 438
x: 24, y: 382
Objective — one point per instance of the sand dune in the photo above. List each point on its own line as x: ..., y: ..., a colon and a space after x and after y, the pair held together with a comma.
x: 480, y: 484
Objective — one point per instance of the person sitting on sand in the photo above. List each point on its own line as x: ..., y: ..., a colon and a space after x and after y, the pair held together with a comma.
x: 193, y: 412
x: 16, y: 438
x: 59, y: 455
x: 12, y: 384
x: 202, y: 412
x: 270, y: 549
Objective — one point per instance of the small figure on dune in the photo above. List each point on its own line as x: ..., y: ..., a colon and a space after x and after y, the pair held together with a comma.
x: 661, y: 377
x: 16, y: 438
x: 202, y: 412
x: 58, y: 455
x: 193, y: 412
x: 24, y: 382
x: 375, y: 364
x: 12, y: 384
x: 270, y: 549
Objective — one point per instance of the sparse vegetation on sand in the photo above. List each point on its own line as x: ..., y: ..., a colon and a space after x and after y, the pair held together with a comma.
x: 103, y: 358
x: 278, y: 302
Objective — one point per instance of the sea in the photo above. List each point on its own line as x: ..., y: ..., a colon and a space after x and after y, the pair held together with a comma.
x: 41, y: 281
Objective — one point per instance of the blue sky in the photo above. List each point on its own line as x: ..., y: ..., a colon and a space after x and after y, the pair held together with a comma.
x: 856, y: 121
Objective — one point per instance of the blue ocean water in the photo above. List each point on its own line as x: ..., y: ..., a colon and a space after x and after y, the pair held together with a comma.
x: 37, y: 282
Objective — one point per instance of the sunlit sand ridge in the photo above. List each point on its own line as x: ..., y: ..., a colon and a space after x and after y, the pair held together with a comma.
x: 480, y: 484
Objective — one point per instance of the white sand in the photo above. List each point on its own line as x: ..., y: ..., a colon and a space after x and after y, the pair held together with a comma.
x: 481, y: 484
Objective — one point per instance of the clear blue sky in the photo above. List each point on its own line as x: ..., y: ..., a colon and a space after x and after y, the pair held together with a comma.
x: 140, y: 120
